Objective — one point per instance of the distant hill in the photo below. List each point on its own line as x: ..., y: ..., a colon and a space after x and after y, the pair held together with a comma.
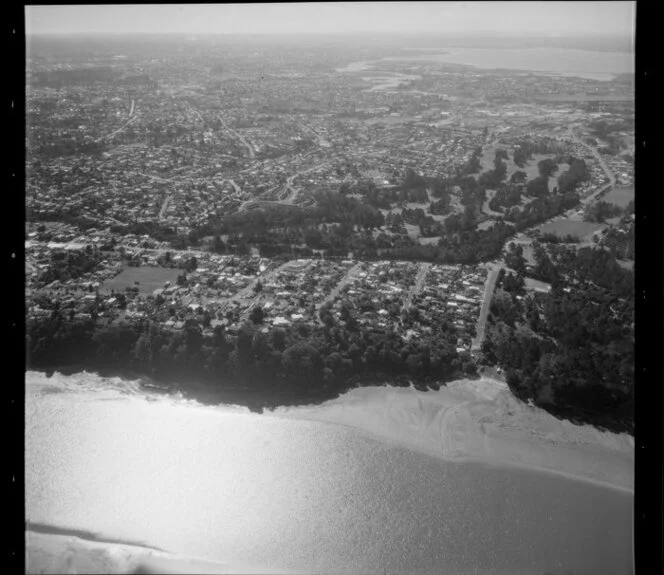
x: 626, y: 78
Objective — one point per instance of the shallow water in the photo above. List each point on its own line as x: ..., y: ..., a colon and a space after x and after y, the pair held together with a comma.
x: 226, y: 485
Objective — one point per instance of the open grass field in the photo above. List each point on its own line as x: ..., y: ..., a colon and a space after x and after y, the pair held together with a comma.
x: 438, y: 217
x: 565, y: 226
x: 428, y: 241
x: 529, y: 254
x: 413, y: 231
x: 148, y: 278
x: 536, y: 285
x: 486, y: 224
x: 620, y: 196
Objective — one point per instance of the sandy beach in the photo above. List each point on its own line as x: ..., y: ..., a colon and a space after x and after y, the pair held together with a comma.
x: 480, y: 420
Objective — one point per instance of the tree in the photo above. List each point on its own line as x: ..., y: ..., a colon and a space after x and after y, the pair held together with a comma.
x: 261, y: 348
x: 502, y: 307
x: 578, y: 172
x: 500, y: 168
x: 257, y: 314
x: 600, y: 211
x: 532, y: 315
x: 302, y: 361
x: 278, y: 339
x: 122, y: 300
x: 192, y: 264
x: 519, y: 177
x: 414, y: 363
x: 547, y: 167
x: 218, y: 246
x: 538, y: 187
x: 468, y: 366
x: 345, y: 313
x: 143, y: 348
x: 469, y: 220
x: 244, y: 343
x: 514, y: 258
x: 193, y: 337
x: 501, y: 153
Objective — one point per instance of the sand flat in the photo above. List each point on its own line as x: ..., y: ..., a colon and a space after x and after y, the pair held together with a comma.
x: 481, y: 420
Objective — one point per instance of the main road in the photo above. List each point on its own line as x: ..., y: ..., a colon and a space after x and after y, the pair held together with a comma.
x: 489, y: 287
x: 598, y: 157
x: 351, y: 274
x: 423, y: 269
x: 131, y: 120
x: 238, y: 136
x: 287, y: 186
x: 321, y: 141
x: 289, y: 182
x: 247, y: 292
x: 164, y: 207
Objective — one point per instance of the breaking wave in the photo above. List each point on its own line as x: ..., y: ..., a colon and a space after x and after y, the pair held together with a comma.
x: 81, y: 382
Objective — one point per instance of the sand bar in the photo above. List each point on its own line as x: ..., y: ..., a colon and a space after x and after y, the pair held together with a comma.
x: 56, y: 553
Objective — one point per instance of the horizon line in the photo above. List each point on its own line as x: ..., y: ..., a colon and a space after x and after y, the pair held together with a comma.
x: 540, y: 35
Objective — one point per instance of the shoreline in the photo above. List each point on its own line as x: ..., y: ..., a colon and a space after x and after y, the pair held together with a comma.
x: 261, y: 399
x: 466, y: 420
x: 258, y: 400
x: 438, y: 57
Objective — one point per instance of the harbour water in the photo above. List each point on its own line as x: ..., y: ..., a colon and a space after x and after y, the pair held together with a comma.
x: 562, y: 61
x: 222, y: 484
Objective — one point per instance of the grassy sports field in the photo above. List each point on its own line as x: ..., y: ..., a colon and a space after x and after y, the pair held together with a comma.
x: 565, y: 226
x: 620, y: 196
x: 148, y: 278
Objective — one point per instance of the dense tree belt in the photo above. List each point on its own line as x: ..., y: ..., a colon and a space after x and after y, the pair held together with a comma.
x: 570, y: 351
x: 262, y: 367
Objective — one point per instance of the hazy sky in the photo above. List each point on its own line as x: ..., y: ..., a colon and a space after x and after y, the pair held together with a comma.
x: 547, y: 18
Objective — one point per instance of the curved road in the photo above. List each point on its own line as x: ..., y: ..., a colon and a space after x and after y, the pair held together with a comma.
x: 598, y: 157
x: 287, y: 186
x: 238, y: 136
